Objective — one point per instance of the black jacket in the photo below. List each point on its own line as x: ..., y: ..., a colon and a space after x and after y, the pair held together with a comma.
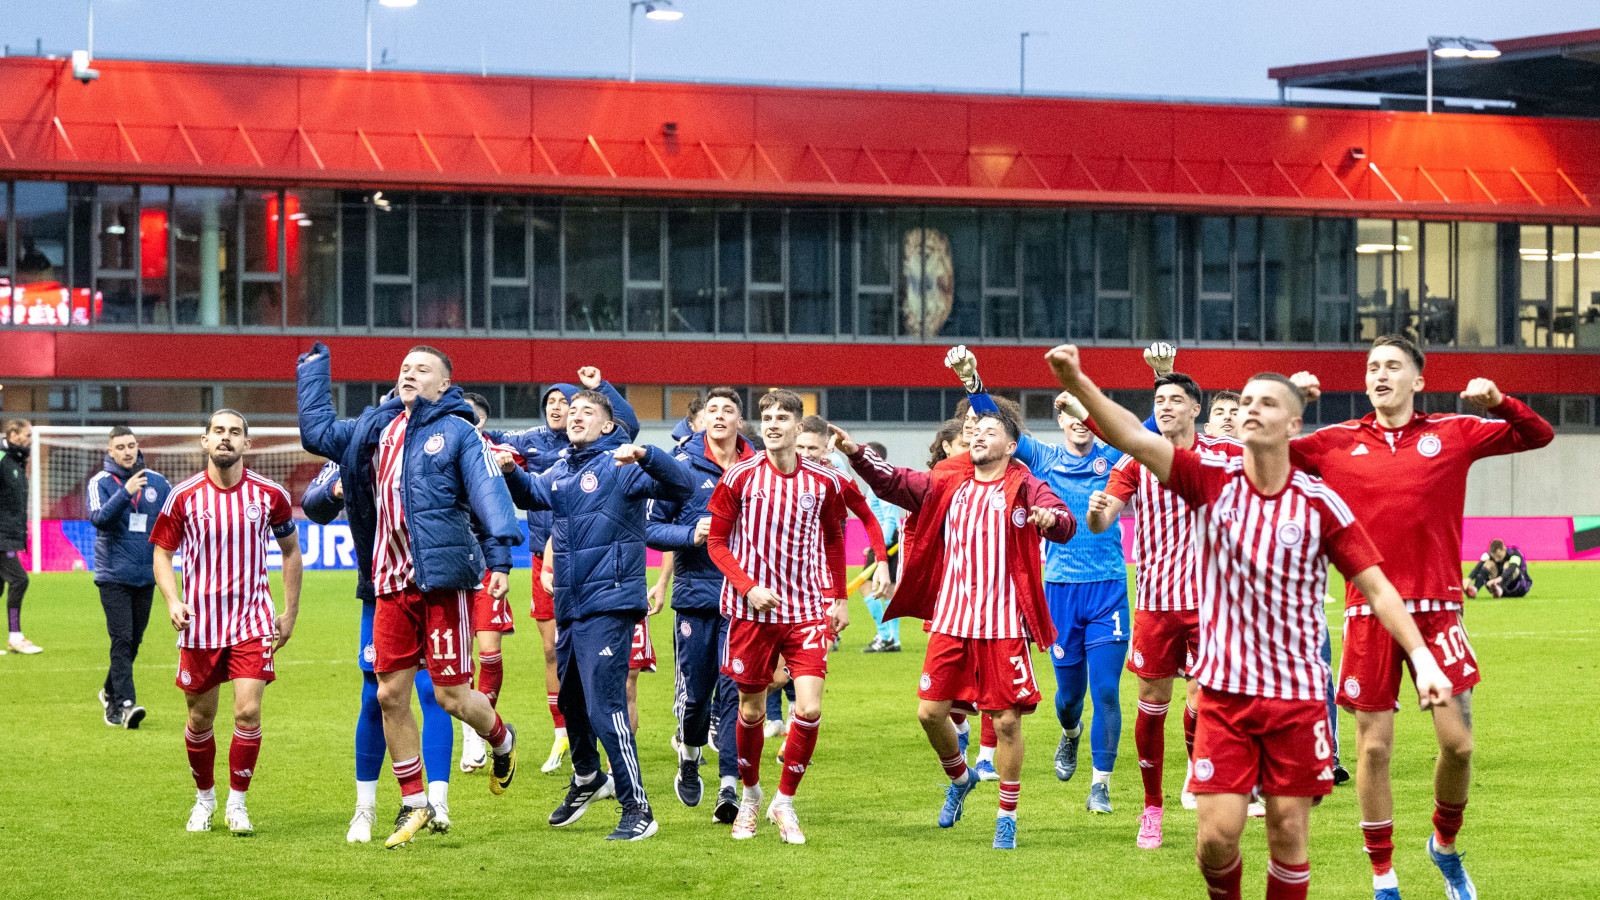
x: 13, y: 498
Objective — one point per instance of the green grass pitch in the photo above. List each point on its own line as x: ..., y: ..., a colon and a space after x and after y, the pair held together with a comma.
x: 88, y: 811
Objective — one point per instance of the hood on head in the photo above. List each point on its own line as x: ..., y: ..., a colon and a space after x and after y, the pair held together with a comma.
x: 568, y: 391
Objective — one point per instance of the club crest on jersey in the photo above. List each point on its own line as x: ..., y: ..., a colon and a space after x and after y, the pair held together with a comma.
x: 1429, y: 445
x: 1138, y: 659
x: 737, y: 666
x: 997, y: 502
x: 1100, y: 465
x: 252, y: 512
x: 1352, y: 688
x: 589, y: 482
x: 1290, y: 533
x: 369, y: 653
x: 1019, y: 517
x: 434, y: 445
x: 684, y: 629
x: 808, y: 501
x: 925, y: 682
x: 1057, y: 652
x: 1203, y: 770
x: 150, y: 494
x: 184, y: 676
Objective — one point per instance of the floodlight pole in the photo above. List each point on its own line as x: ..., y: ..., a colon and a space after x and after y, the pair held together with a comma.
x: 369, y: 35
x: 633, y: 7
x: 1433, y: 44
x: 91, y: 30
x: 1022, y: 64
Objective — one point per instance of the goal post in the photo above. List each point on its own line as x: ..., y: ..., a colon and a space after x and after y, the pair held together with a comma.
x: 63, y: 459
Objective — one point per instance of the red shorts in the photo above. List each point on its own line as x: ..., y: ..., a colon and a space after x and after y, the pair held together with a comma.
x: 489, y: 614
x: 643, y: 657
x: 1281, y: 745
x: 750, y: 655
x: 544, y: 605
x: 412, y: 629
x: 1164, y: 643
x: 1369, y: 669
x: 990, y: 674
x: 201, y: 670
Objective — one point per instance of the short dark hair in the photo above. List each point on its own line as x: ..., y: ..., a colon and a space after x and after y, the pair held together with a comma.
x: 1184, y: 383
x: 1294, y: 389
x: 1404, y: 344
x: 597, y: 398
x: 443, y: 359
x: 1496, y: 545
x: 225, y: 411
x: 787, y: 401
x: 949, y: 431
x: 478, y: 401
x: 728, y: 394
x: 1225, y: 397
x: 814, y: 425
x: 881, y: 450
x: 696, y: 403
x: 1010, y: 423
x: 119, y: 431
x: 13, y: 426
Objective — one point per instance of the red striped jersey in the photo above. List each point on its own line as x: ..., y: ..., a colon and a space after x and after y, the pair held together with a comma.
x: 222, y: 536
x: 1264, y: 573
x: 977, y: 597
x: 392, y: 568
x: 782, y: 532
x: 1163, y: 542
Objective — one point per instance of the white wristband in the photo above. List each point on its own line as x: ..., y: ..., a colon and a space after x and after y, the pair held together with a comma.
x: 1421, y: 657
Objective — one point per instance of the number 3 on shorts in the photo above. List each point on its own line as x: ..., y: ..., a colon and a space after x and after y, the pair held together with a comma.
x: 1320, y: 732
x: 1021, y: 664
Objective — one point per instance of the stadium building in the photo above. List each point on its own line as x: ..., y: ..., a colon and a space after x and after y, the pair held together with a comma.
x: 174, y: 234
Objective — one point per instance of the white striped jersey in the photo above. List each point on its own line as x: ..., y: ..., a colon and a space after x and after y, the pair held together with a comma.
x: 977, y: 597
x: 392, y: 568
x: 784, y: 533
x: 222, y: 536
x: 1264, y: 574
x: 1163, y: 534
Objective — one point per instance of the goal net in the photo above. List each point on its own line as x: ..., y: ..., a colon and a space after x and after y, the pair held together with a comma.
x: 64, y: 458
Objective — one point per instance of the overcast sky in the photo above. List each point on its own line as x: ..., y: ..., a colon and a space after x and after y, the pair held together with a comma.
x: 1220, y: 48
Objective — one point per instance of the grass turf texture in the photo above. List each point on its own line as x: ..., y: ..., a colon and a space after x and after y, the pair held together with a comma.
x: 96, y: 812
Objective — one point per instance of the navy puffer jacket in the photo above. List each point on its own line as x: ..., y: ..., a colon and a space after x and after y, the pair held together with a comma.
x: 122, y: 556
x: 696, y: 580
x: 598, y: 526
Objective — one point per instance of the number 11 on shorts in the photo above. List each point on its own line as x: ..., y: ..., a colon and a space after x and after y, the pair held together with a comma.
x: 449, y: 639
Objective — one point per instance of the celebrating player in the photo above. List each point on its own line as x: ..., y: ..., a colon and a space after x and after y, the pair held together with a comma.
x: 1167, y: 595
x: 699, y: 628
x: 1086, y: 587
x: 420, y: 487
x: 1224, y: 416
x: 777, y: 534
x: 1265, y: 533
x: 815, y: 444
x: 598, y: 498
x: 221, y: 520
x: 972, y: 569
x: 1405, y: 475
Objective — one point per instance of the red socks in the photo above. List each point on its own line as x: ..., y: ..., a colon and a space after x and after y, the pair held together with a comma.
x: 409, y: 773
x: 498, y: 735
x: 1190, y: 718
x: 1009, y: 790
x: 242, y: 753
x: 749, y: 740
x: 986, y: 736
x: 490, y: 676
x: 955, y: 766
x: 1379, y: 840
x: 957, y: 718
x: 202, y: 749
x: 1223, y: 883
x: 1149, y: 738
x: 555, y: 711
x: 1288, y: 882
x: 797, y: 750
x: 1446, y: 822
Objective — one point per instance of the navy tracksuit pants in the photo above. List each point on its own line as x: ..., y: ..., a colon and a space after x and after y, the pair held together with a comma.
x: 592, y: 663
x: 704, y: 693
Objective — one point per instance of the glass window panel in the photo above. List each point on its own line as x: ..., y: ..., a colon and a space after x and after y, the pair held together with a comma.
x: 118, y: 224
x: 1548, y: 406
x: 442, y: 265
x: 261, y: 303
x: 1436, y: 312
x: 1335, y: 237
x: 1247, y: 283
x: 1113, y: 269
x: 1588, y: 282
x: 1287, y: 279
x: 391, y: 239
x: 1080, y: 247
x: 1216, y: 275
x: 810, y: 273
x: 490, y: 394
x: 82, y: 234
x: 510, y: 241
x: 730, y: 273
x: 1375, y: 261
x: 875, y: 238
x: 1576, y: 411
x: 644, y: 245
x: 508, y: 307
x: 644, y: 310
x: 312, y: 237
x: 1407, y: 243
x: 766, y: 246
x: 1563, y: 271
x: 678, y: 400
x: 1002, y: 311
x: 1154, y: 249
x: 546, y: 269
x: 41, y: 211
x: 391, y: 305
x: 1000, y: 249
x: 594, y: 269
x: 258, y: 399
x: 886, y: 405
x: 944, y: 258
x: 1038, y: 405
x: 118, y: 299
x: 691, y: 242
x: 648, y: 401
x: 353, y: 240
x: 766, y: 312
x: 1044, y: 297
x: 924, y: 405
x: 1533, y: 310
x: 155, y: 263
x: 358, y: 395
x: 260, y: 230
x: 1477, y: 273
x: 522, y: 401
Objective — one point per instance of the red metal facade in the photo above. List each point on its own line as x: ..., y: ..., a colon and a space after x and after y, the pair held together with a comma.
x: 155, y: 122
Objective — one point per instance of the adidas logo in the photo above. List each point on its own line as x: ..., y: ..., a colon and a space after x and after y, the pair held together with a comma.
x: 1146, y: 764
x: 744, y: 763
x: 1326, y: 774
x: 798, y: 770
x: 1467, y: 669
x: 244, y: 773
x: 1360, y: 450
x: 448, y: 670
x: 606, y: 652
x: 709, y: 484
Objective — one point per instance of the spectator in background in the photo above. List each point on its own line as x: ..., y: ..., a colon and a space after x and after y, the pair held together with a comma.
x: 888, y: 516
x: 14, y: 526
x: 124, y: 500
x: 1502, y: 570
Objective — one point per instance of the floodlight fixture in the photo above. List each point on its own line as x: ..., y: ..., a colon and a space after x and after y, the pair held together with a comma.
x: 1456, y: 48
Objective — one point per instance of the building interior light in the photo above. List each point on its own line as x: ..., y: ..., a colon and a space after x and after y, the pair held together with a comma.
x: 1383, y: 248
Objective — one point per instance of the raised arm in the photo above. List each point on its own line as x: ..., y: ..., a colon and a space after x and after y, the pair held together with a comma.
x: 659, y: 476
x: 621, y: 411
x: 321, y: 503
x: 321, y: 430
x: 904, y: 488
x: 1120, y: 428
x: 1521, y: 428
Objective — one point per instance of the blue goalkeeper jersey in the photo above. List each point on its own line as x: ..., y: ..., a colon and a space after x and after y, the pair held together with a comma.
x: 1087, y: 557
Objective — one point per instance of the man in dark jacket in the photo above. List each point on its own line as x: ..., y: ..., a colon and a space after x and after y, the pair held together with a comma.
x: 699, y: 630
x: 598, y: 533
x: 420, y: 488
x: 14, y: 526
x: 124, y: 499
